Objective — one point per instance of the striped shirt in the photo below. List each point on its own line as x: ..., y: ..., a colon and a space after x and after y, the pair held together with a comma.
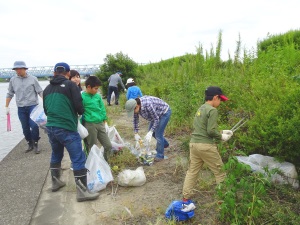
x: 152, y: 108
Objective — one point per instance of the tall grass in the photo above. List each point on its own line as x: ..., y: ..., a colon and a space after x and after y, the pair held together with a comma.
x: 260, y: 88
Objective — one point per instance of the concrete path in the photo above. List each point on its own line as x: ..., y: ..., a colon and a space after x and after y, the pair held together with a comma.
x: 22, y: 177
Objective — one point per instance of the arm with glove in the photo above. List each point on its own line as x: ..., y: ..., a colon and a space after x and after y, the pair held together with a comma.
x: 226, y: 135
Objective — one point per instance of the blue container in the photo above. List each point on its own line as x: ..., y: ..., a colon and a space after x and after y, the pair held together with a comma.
x: 174, y: 212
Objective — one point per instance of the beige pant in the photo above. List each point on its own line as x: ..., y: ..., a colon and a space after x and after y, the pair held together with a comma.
x: 199, y: 154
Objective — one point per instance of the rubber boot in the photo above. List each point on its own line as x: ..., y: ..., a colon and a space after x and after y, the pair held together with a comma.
x: 36, y: 148
x: 55, y: 175
x: 30, y: 146
x: 83, y: 194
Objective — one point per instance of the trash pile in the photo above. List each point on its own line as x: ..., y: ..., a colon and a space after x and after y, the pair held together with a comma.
x: 260, y: 163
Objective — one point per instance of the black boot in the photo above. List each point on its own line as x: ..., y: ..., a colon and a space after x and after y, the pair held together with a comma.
x: 36, y: 147
x: 83, y: 194
x: 55, y: 169
x: 30, y: 146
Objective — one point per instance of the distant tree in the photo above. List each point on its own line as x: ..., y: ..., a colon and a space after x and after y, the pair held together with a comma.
x: 113, y: 64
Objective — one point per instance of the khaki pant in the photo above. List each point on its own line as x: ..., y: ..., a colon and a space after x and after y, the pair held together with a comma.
x: 199, y: 154
x: 97, y: 132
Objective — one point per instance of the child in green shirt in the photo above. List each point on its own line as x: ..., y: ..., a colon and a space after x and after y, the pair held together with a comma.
x: 94, y: 117
x: 203, y: 148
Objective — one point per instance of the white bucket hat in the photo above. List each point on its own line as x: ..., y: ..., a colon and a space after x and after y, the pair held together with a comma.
x: 129, y: 80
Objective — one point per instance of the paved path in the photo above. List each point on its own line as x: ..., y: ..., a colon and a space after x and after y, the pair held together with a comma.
x: 22, y: 177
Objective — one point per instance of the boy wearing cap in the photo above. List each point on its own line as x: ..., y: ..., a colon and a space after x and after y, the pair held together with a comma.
x: 114, y: 80
x: 158, y: 113
x: 62, y: 104
x: 26, y: 88
x: 203, y: 147
x: 133, y: 91
x: 94, y: 117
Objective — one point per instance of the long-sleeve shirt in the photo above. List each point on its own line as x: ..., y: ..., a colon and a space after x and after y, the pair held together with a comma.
x: 114, y: 79
x: 62, y: 103
x: 26, y: 90
x: 152, y: 108
x: 205, y: 125
x: 134, y: 92
x: 94, y: 109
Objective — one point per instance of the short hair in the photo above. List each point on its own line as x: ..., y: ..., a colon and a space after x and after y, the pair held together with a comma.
x: 93, y: 81
x: 208, y: 98
x: 61, y: 71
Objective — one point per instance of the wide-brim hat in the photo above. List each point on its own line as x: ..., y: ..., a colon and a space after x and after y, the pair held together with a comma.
x: 130, y: 106
x: 20, y: 65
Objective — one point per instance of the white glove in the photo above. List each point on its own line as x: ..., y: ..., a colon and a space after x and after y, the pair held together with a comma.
x: 7, y: 110
x: 148, y: 136
x: 226, y: 137
x: 137, y: 137
x: 106, y: 127
x: 125, y: 89
x: 188, y: 208
x: 229, y: 132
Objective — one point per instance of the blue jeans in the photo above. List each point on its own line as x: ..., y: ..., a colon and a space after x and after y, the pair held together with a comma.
x: 30, y: 128
x: 159, y: 134
x: 112, y: 89
x: 60, y: 138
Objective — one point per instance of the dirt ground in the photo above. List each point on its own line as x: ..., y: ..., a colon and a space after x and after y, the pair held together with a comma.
x: 130, y: 205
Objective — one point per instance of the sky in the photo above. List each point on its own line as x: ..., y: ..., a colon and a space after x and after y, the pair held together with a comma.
x: 44, y: 32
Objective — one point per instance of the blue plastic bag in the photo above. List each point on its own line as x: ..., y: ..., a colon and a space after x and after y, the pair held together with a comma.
x: 174, y: 212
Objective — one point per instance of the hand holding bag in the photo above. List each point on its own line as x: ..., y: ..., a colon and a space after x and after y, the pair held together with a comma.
x: 99, y: 174
x: 83, y: 132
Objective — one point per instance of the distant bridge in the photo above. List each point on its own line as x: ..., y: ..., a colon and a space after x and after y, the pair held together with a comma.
x: 47, y: 71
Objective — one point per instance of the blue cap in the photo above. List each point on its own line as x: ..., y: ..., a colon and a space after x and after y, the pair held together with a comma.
x: 61, y: 67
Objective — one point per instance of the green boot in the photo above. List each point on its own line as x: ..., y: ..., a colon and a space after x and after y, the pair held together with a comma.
x: 83, y: 194
x: 55, y: 176
x: 30, y: 146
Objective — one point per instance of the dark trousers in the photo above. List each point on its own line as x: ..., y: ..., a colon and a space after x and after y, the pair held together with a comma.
x: 112, y: 89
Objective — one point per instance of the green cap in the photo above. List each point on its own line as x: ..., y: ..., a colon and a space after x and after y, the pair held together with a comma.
x: 130, y: 106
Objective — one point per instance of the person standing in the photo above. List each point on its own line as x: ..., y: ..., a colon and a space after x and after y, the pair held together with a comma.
x: 114, y: 80
x: 158, y: 113
x: 95, y: 118
x: 26, y: 88
x: 75, y: 77
x: 62, y: 105
x: 203, y: 147
x: 133, y: 91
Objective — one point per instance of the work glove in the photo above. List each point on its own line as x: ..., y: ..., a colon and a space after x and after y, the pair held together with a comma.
x: 229, y: 132
x: 137, y: 137
x: 148, y: 136
x: 7, y: 110
x: 226, y: 137
x: 125, y: 89
x: 106, y: 127
x: 188, y: 208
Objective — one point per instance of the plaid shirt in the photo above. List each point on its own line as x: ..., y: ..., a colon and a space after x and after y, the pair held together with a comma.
x: 152, y: 109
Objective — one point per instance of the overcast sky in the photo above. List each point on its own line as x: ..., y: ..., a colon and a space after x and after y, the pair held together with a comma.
x: 44, y: 32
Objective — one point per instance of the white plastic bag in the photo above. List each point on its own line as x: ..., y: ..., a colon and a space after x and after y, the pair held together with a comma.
x: 99, y: 174
x: 259, y: 163
x: 38, y: 116
x: 83, y: 132
x: 115, y: 139
x: 112, y: 98
x: 132, y: 177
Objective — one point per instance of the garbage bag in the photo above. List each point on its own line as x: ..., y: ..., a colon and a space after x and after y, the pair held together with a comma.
x: 99, y: 172
x: 174, y: 211
x: 259, y: 163
x: 132, y: 177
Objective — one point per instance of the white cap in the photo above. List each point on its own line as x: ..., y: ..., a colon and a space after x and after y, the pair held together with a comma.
x: 129, y: 80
